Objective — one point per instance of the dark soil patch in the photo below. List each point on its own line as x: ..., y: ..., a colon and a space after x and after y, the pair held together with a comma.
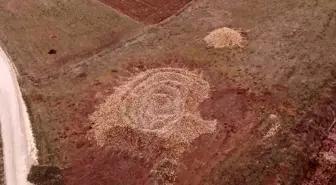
x: 148, y: 11
x: 52, y: 51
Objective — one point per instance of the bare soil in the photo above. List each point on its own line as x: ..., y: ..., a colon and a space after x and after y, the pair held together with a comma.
x: 284, y: 75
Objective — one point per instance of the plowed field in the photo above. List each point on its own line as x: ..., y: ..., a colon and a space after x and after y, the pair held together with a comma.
x: 161, y: 106
x: 148, y: 11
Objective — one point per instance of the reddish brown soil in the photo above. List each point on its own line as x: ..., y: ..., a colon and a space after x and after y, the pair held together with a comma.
x: 306, y: 143
x: 236, y: 113
x: 108, y: 167
x: 148, y: 159
x: 148, y: 11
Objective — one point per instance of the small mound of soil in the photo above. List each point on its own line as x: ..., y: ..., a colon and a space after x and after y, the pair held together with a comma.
x: 224, y: 38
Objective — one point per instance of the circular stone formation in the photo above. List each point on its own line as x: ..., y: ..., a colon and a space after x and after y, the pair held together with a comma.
x: 224, y: 38
x: 163, y: 101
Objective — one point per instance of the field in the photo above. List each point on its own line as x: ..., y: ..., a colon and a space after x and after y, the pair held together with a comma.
x: 148, y: 11
x: 51, y: 34
x: 159, y: 106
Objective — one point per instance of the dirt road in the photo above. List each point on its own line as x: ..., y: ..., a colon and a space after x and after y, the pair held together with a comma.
x: 18, y: 143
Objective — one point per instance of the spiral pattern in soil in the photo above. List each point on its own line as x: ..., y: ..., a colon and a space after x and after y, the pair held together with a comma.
x: 163, y: 101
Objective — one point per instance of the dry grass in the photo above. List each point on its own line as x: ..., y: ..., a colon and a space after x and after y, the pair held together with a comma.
x: 224, y: 38
x: 162, y: 101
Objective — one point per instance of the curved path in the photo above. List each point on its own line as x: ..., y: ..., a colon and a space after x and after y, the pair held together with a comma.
x: 18, y: 142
